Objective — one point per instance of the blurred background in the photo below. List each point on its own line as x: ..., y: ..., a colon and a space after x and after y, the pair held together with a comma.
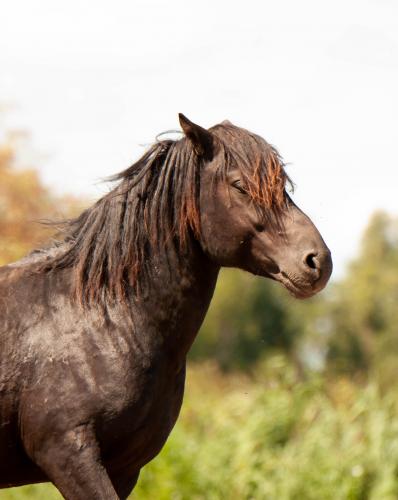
x: 285, y: 399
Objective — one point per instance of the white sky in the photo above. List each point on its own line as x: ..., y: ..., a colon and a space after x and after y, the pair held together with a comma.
x: 92, y: 80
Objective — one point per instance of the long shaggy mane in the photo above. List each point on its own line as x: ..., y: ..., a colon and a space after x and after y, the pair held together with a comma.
x: 156, y: 204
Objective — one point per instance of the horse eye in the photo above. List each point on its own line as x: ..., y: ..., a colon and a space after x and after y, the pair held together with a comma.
x: 238, y: 185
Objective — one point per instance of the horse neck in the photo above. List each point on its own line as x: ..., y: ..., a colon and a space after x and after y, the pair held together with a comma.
x: 176, y: 300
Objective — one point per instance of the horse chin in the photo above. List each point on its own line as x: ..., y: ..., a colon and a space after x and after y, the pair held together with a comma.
x: 298, y: 291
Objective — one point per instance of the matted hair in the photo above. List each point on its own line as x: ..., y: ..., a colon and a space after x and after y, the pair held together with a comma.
x: 155, y: 202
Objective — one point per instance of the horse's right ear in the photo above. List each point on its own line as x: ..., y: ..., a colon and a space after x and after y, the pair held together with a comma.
x: 201, y: 139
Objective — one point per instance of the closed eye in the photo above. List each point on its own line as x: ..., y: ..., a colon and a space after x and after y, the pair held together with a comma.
x: 238, y: 185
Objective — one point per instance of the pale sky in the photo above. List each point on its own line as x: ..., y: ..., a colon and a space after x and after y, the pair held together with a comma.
x: 94, y: 80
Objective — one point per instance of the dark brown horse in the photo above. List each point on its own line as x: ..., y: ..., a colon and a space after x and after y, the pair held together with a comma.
x: 95, y: 330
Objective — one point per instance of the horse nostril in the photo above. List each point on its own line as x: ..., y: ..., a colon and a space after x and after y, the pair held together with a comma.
x: 311, y: 261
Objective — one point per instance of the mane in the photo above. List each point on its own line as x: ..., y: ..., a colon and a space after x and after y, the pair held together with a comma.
x: 155, y: 205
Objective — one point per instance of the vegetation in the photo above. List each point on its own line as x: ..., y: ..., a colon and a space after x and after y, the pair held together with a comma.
x: 285, y: 399
x: 272, y: 436
x: 24, y: 202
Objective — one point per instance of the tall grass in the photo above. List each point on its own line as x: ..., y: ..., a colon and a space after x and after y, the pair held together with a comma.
x: 272, y: 437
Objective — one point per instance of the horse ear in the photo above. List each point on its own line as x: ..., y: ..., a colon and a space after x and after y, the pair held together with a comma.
x: 201, y: 139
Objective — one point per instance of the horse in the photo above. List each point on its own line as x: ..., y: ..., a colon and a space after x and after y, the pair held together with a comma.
x: 95, y: 328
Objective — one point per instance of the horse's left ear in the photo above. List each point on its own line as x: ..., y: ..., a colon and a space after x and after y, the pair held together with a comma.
x: 201, y: 139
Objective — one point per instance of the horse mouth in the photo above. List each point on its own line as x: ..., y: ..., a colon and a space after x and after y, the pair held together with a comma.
x: 297, y: 290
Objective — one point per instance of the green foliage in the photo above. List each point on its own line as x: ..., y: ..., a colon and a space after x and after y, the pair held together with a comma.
x: 278, y: 438
x: 32, y: 492
x: 248, y: 317
x: 362, y: 310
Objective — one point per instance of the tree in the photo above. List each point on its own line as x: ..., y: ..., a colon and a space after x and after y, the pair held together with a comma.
x: 363, y: 310
x: 248, y: 319
x: 24, y: 201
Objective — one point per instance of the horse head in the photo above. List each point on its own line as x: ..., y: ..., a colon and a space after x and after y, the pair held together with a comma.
x: 247, y: 218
